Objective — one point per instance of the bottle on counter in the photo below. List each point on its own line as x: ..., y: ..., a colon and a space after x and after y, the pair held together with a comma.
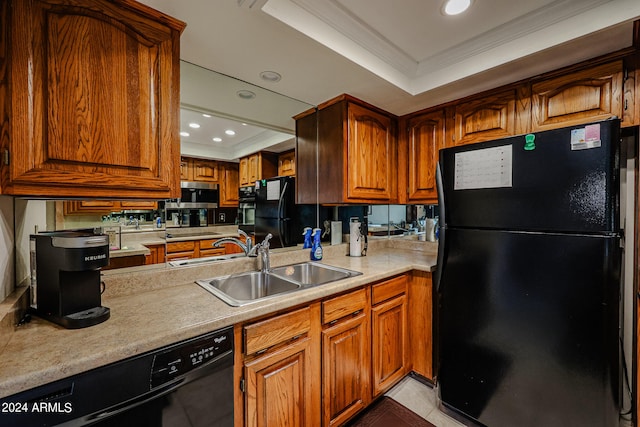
x: 307, y: 238
x: 316, y: 248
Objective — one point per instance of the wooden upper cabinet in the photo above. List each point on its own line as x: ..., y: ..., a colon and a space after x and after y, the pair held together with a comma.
x: 83, y: 207
x: 257, y: 166
x: 186, y: 169
x: 487, y: 118
x: 229, y: 183
x: 371, y: 148
x: 90, y: 99
x: 579, y: 97
x: 425, y: 137
x: 357, y: 154
x: 205, y: 170
x: 287, y: 163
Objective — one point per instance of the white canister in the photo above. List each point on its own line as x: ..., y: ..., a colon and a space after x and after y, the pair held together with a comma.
x: 355, y: 238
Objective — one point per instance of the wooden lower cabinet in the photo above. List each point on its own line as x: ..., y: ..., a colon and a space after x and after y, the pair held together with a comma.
x: 281, y: 357
x: 346, y: 353
x: 280, y: 387
x: 389, y: 339
x: 157, y: 254
x: 323, y: 363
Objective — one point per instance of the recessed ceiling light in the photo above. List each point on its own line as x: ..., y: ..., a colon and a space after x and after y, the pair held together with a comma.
x: 206, y: 115
x: 270, y: 76
x: 184, y: 133
x: 194, y: 125
x: 245, y: 94
x: 217, y: 139
x: 229, y: 132
x: 455, y: 7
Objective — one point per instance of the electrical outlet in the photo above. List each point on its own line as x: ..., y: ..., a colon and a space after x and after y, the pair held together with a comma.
x: 221, y: 217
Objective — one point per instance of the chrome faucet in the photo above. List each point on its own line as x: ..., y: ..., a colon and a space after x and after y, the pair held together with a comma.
x: 262, y: 248
x: 134, y: 221
x: 246, y: 247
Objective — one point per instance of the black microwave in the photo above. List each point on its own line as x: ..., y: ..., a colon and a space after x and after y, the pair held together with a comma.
x: 196, y: 195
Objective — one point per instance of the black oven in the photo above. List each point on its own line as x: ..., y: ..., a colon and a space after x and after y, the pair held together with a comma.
x: 189, y: 384
x: 247, y: 209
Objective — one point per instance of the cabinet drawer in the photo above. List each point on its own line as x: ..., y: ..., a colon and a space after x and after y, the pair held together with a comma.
x: 388, y: 289
x: 181, y: 246
x: 212, y: 252
x: 276, y: 330
x: 343, y: 305
x: 207, y: 244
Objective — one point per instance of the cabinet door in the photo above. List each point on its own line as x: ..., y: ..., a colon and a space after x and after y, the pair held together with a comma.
x: 426, y: 136
x: 205, y: 170
x: 254, y: 171
x: 243, y: 167
x: 279, y: 387
x: 371, y: 153
x: 390, y: 354
x: 229, y: 184
x: 287, y: 164
x: 580, y: 97
x: 94, y: 100
x: 186, y: 169
x: 487, y: 118
x: 79, y: 207
x: 345, y: 369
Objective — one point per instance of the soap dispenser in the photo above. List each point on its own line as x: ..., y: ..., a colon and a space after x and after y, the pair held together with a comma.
x: 316, y: 248
x: 307, y: 238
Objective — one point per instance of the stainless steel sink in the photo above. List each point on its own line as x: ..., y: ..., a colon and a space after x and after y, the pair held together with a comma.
x: 313, y: 273
x: 243, y: 288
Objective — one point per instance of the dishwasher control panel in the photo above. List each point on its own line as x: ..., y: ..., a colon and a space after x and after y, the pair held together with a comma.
x: 183, y: 357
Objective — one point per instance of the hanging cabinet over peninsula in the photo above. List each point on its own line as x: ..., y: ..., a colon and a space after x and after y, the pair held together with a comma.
x: 89, y: 99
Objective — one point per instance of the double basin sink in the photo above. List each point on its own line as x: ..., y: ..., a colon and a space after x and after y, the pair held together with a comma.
x: 244, y: 288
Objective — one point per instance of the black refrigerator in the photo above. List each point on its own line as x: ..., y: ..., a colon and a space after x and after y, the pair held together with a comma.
x: 528, y: 279
x: 278, y: 214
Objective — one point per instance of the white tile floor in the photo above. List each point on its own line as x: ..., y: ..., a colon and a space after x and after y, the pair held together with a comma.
x: 421, y: 399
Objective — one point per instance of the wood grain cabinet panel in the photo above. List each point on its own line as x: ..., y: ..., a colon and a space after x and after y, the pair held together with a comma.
x: 345, y: 371
x: 287, y: 164
x: 205, y: 170
x: 390, y: 354
x: 346, y: 356
x: 229, y: 183
x: 426, y: 136
x: 485, y: 119
x: 279, y: 387
x: 91, y: 99
x: 580, y: 97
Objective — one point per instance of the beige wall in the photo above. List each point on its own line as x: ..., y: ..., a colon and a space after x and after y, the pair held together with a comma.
x: 7, y: 251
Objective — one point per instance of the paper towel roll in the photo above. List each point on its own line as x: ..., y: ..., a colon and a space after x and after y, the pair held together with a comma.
x: 355, y: 239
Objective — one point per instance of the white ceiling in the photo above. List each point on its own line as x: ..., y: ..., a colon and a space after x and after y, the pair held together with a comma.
x: 400, y: 55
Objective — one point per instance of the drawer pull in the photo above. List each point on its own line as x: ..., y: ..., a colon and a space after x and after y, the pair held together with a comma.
x: 355, y: 313
x: 264, y: 350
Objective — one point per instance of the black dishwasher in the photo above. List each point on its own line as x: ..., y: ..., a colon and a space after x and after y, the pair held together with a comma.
x: 186, y: 384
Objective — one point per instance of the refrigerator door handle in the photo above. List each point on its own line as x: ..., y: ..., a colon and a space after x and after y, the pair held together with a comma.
x: 281, y: 219
x: 437, y: 274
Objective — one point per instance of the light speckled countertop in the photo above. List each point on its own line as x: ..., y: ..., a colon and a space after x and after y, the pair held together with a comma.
x: 159, y: 307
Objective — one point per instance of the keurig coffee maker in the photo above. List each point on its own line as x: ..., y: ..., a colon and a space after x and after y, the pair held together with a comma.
x: 65, y: 276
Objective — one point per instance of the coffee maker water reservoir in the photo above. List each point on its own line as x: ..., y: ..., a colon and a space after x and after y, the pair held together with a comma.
x: 65, y: 276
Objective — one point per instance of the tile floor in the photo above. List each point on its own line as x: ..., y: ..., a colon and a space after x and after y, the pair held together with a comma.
x: 413, y: 395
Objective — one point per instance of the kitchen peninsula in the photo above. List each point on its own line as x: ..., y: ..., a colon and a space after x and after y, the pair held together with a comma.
x: 154, y: 308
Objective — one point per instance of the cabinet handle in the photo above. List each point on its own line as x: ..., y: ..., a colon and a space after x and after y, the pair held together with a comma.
x: 333, y: 322
x: 261, y: 351
x: 296, y: 337
x: 355, y: 313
